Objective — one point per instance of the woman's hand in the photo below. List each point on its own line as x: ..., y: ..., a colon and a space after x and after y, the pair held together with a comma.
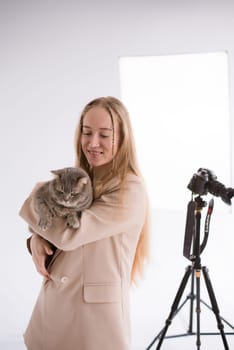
x: 40, y: 249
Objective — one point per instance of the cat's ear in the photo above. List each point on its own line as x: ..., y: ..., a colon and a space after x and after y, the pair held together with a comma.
x: 83, y: 180
x: 56, y: 172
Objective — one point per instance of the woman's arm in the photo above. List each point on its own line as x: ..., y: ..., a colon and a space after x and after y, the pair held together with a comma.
x: 106, y: 217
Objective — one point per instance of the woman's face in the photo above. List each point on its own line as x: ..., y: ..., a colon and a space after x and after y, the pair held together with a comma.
x: 99, y: 141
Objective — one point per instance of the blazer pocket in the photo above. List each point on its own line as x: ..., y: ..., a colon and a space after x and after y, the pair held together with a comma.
x: 102, y: 293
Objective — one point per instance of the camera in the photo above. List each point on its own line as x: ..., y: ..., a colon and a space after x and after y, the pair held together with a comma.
x: 205, y: 181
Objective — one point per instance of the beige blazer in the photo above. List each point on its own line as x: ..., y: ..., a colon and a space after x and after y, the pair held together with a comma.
x: 85, y: 304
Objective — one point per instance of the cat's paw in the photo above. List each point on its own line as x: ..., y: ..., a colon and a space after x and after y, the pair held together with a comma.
x: 44, y: 224
x: 73, y: 221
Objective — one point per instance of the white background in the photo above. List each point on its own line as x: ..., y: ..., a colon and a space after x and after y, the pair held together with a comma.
x: 55, y: 57
x: 180, y: 108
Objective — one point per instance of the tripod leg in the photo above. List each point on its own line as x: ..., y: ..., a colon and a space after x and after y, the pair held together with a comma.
x: 173, y: 308
x: 192, y: 298
x: 215, y: 306
x: 198, y: 307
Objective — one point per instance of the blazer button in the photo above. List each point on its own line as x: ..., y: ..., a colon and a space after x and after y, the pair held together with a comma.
x: 64, y: 279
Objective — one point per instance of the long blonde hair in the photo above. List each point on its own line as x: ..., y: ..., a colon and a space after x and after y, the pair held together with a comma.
x: 124, y: 162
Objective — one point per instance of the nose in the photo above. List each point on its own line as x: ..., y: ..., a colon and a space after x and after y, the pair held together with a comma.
x: 67, y: 197
x: 94, y: 140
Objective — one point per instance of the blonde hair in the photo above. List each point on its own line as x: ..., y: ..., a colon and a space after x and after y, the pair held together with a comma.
x: 124, y: 161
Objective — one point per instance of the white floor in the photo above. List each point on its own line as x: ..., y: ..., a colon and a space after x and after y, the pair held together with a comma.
x: 185, y: 343
x: 12, y: 346
x: 212, y: 342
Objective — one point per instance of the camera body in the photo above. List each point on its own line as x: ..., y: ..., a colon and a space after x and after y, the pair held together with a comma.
x: 205, y: 181
x: 199, y: 184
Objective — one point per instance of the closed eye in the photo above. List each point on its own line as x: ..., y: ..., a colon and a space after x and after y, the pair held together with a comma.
x: 90, y: 134
x: 60, y: 191
x: 73, y: 194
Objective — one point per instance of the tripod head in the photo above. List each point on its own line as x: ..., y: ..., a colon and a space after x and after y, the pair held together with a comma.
x: 202, y: 182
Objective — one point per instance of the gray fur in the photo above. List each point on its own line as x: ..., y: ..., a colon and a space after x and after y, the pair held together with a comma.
x: 66, y: 196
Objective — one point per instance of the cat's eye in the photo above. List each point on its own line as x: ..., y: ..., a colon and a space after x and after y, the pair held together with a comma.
x: 73, y: 194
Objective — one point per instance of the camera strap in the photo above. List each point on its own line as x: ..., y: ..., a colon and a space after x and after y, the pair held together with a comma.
x: 207, y: 225
x: 189, y: 229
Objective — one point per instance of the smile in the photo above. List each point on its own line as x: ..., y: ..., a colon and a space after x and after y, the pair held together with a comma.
x: 94, y: 153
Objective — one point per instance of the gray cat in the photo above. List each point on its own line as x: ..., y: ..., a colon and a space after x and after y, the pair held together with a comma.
x: 66, y: 195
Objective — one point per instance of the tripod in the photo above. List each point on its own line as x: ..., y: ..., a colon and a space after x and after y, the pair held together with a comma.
x: 194, y: 271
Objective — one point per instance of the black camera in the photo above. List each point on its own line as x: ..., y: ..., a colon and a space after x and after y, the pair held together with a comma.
x: 205, y: 181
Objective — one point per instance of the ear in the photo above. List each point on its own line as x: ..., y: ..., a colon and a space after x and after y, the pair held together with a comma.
x: 83, y: 180
x: 57, y: 172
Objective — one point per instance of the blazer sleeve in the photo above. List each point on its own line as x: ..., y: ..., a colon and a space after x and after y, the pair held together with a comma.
x: 113, y: 213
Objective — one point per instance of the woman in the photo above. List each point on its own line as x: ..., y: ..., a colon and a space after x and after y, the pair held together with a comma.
x: 83, y: 303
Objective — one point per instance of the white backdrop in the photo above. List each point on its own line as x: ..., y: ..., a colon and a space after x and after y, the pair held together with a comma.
x: 55, y: 57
